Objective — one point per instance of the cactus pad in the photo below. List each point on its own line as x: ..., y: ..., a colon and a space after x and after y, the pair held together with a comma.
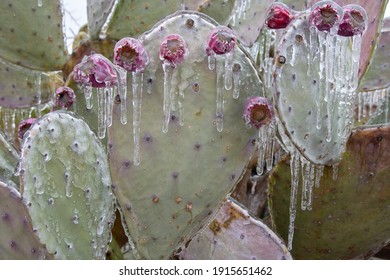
x: 234, y: 234
x: 350, y: 216
x: 185, y: 172
x: 25, y: 26
x: 66, y: 185
x: 17, y: 240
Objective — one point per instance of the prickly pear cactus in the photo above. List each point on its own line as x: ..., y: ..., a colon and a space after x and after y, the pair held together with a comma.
x: 185, y: 172
x: 350, y: 217
x: 234, y: 234
x: 66, y: 186
x: 17, y: 240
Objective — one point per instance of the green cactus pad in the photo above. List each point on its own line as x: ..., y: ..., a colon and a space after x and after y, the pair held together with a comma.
x: 375, y: 11
x: 248, y: 18
x: 234, y: 234
x: 26, y: 26
x: 9, y: 157
x: 299, y: 5
x: 185, y: 173
x: 378, y: 74
x: 17, y: 240
x: 219, y: 10
x: 66, y: 185
x: 310, y: 113
x: 350, y: 216
x: 23, y: 88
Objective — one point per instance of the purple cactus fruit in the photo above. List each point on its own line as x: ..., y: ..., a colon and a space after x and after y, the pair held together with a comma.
x: 258, y: 112
x: 130, y: 54
x: 64, y: 97
x: 24, y: 126
x: 354, y: 21
x: 325, y: 14
x: 95, y: 70
x: 279, y: 15
x: 173, y: 49
x: 221, y: 40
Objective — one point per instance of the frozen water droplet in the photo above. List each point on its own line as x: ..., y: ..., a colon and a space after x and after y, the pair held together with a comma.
x: 236, y: 80
x: 122, y: 89
x: 211, y: 60
x: 262, y: 138
x: 220, y: 94
x: 75, y: 219
x: 38, y: 91
x: 47, y: 156
x: 39, y: 3
x: 102, y: 113
x: 168, y: 72
x: 109, y: 93
x: 319, y: 174
x: 137, y: 85
x: 228, y: 70
x: 88, y: 97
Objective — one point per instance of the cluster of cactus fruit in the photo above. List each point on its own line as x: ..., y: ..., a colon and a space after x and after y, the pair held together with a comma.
x: 238, y: 94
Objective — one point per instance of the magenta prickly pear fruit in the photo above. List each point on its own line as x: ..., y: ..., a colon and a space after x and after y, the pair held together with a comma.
x: 173, y: 49
x: 130, y: 54
x: 64, y: 97
x: 325, y: 14
x: 279, y: 15
x: 96, y: 71
x: 221, y: 41
x: 354, y: 21
x: 24, y: 126
x: 258, y: 112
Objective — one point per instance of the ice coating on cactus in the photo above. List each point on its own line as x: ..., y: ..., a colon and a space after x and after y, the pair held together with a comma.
x: 234, y: 234
x: 8, y: 160
x: 64, y: 97
x: 325, y: 15
x: 329, y: 231
x: 17, y: 239
x: 187, y: 190
x: 40, y: 27
x: 98, y: 13
x: 66, y: 186
x: 354, y: 21
x: 279, y: 16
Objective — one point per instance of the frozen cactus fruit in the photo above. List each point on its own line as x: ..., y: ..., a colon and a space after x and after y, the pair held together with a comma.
x: 234, y: 234
x: 64, y: 97
x: 66, y: 186
x: 178, y: 203
x: 325, y: 15
x: 354, y: 21
x: 336, y: 228
x: 17, y: 239
x: 173, y: 49
x: 279, y: 16
x: 130, y: 54
x: 258, y: 112
x: 221, y: 41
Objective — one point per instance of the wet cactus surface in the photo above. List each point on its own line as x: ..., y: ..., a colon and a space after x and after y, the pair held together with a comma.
x: 131, y: 146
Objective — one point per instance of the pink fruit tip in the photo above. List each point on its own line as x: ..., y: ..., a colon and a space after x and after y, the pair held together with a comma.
x: 130, y: 54
x: 173, y: 49
x: 221, y: 40
x: 258, y: 112
x: 96, y: 71
x: 24, y: 125
x: 354, y: 21
x: 279, y: 15
x: 64, y: 97
x: 325, y: 14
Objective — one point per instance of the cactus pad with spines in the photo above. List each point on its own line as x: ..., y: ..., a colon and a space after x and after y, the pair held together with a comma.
x: 185, y: 173
x: 17, y: 240
x: 26, y: 26
x: 66, y: 186
x: 350, y: 216
x: 234, y: 234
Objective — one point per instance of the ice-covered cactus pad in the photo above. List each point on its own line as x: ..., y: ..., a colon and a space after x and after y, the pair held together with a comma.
x: 185, y: 172
x: 8, y: 158
x: 234, y: 234
x: 17, y: 240
x: 350, y: 215
x: 66, y: 186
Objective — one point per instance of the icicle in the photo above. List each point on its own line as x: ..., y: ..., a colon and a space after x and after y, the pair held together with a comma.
x: 109, y: 92
x: 236, y: 81
x: 211, y: 61
x: 137, y: 101
x: 312, y: 55
x: 319, y: 173
x: 102, y: 113
x: 181, y: 106
x: 168, y: 72
x: 38, y: 90
x: 387, y: 96
x: 122, y: 88
x: 88, y: 97
x: 228, y: 70
x: 305, y: 182
x: 173, y: 89
x: 310, y: 183
x: 294, y: 166
x: 39, y: 3
x: 335, y: 168
x: 262, y: 145
x: 269, y: 149
x: 220, y: 93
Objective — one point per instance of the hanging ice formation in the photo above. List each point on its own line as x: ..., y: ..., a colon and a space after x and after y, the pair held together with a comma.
x: 372, y: 103
x: 97, y: 74
x: 240, y: 9
x: 173, y: 51
x: 319, y: 54
x: 220, y: 51
x: 131, y: 56
x: 260, y: 114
